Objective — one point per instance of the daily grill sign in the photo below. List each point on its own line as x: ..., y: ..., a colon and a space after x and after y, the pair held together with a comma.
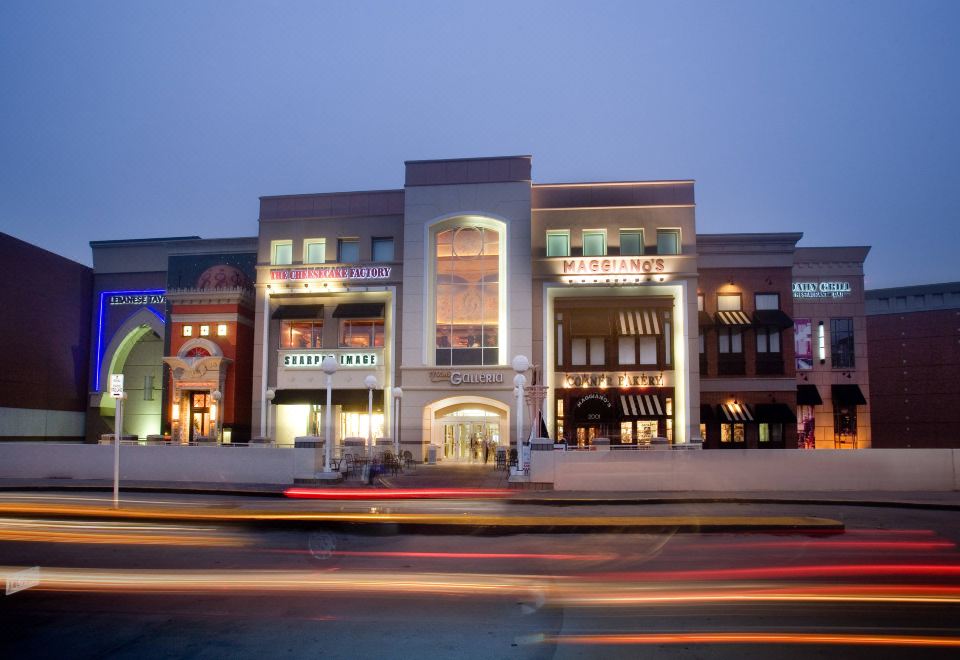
x: 372, y: 272
x: 821, y: 289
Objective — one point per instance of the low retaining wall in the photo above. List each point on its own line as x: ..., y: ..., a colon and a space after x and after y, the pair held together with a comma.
x: 250, y: 465
x: 744, y: 470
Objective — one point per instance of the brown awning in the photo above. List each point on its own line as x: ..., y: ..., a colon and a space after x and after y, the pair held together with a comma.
x: 775, y: 413
x: 359, y: 311
x: 736, y: 319
x: 772, y: 317
x: 355, y: 400
x: 637, y: 322
x: 596, y: 323
x: 808, y: 395
x: 298, y: 312
x: 847, y: 395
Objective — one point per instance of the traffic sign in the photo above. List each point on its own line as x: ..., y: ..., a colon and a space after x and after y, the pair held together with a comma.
x: 116, y: 385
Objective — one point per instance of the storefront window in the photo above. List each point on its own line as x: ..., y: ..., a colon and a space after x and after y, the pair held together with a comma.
x: 467, y: 296
x: 356, y: 424
x: 731, y: 433
x: 626, y: 432
x: 361, y: 334
x: 301, y: 334
x: 841, y: 343
x: 770, y: 433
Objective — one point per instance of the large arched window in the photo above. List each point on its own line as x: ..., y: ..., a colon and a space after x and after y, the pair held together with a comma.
x: 467, y: 294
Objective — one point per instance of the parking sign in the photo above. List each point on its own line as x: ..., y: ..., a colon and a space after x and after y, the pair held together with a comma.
x: 116, y: 385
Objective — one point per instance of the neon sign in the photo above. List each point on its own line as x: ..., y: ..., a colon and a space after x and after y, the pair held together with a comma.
x: 373, y: 272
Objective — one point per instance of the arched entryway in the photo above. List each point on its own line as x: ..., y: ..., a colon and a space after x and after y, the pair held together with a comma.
x: 467, y: 429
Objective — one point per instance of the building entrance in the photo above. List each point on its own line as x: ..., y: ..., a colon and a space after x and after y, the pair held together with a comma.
x: 469, y: 436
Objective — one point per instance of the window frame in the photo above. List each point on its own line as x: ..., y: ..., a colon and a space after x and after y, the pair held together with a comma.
x: 308, y: 243
x: 274, y: 246
x: 562, y: 233
x: 756, y: 300
x: 373, y: 249
x: 372, y: 334
x: 347, y: 240
x: 738, y: 296
x: 842, y: 358
x: 630, y: 232
x: 313, y: 334
x: 674, y: 231
x: 602, y: 233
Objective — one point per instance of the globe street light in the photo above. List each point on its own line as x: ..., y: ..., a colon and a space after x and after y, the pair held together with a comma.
x: 270, y: 395
x: 520, y: 365
x: 371, y: 382
x: 329, y: 366
x: 397, y: 395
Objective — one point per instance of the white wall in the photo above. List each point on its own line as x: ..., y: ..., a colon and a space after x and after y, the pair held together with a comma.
x: 263, y: 465
x: 745, y: 470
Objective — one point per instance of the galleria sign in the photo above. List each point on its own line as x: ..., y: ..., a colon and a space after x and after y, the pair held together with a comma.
x: 614, y: 266
x: 467, y: 377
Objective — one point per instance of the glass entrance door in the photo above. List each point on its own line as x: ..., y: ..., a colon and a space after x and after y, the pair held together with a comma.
x: 469, y: 439
x: 199, y: 415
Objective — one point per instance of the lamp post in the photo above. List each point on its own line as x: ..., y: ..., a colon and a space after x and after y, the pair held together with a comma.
x: 397, y: 395
x: 118, y: 433
x: 520, y: 365
x: 214, y: 416
x: 270, y: 395
x: 371, y: 382
x: 329, y: 366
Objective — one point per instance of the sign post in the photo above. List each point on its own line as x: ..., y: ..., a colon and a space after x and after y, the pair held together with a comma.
x: 116, y: 391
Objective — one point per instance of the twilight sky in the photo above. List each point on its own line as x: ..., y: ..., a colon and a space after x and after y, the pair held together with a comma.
x: 143, y: 119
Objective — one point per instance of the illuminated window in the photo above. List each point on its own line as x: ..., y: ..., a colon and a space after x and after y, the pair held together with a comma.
x: 631, y: 241
x: 627, y: 350
x: 626, y: 432
x: 361, y: 334
x: 188, y: 331
x: 594, y: 243
x: 281, y: 253
x: 558, y: 243
x: 204, y: 330
x: 769, y: 433
x: 731, y: 433
x: 699, y: 302
x: 668, y: 241
x: 314, y: 250
x: 729, y: 302
x: 382, y: 249
x: 841, y: 343
x: 648, y: 349
x: 221, y: 329
x: 348, y: 250
x: 467, y: 306
x: 301, y: 334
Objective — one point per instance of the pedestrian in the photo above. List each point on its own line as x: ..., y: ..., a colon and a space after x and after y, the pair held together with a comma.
x: 486, y: 451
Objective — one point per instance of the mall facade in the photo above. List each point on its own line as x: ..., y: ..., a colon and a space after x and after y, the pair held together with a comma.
x: 435, y: 288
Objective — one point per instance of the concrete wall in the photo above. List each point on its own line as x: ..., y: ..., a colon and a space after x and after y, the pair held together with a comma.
x: 745, y: 470
x: 151, y: 463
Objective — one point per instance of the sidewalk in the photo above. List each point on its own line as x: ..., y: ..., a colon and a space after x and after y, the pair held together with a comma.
x: 474, y: 476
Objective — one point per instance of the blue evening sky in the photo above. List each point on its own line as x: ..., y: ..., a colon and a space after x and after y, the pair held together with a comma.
x: 135, y: 119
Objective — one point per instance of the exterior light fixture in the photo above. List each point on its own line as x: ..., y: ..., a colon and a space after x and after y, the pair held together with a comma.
x: 329, y: 366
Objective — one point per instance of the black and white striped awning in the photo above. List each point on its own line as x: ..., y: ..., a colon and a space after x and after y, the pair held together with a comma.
x: 736, y: 412
x: 733, y: 319
x: 641, y: 405
x: 638, y: 322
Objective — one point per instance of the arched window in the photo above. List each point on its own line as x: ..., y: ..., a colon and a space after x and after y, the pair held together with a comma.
x: 467, y: 294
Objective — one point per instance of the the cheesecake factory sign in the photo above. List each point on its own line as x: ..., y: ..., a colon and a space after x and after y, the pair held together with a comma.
x: 615, y: 266
x: 628, y: 379
x: 370, y: 272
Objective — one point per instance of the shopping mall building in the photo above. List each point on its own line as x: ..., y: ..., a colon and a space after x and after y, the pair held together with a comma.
x: 637, y: 328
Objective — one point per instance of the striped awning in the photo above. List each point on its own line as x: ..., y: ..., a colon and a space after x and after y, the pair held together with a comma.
x: 733, y: 318
x: 736, y: 412
x: 638, y: 322
x: 641, y: 405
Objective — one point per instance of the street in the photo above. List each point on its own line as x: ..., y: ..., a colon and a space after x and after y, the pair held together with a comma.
x: 210, y: 590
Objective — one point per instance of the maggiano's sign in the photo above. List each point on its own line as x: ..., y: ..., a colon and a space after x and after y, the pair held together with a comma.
x: 614, y: 266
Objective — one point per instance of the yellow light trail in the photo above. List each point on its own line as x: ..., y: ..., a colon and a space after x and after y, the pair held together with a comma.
x: 751, y: 638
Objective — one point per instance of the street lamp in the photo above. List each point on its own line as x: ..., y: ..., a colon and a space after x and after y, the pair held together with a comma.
x: 329, y: 366
x: 270, y: 395
x: 520, y: 365
x: 214, y: 409
x: 371, y: 382
x: 397, y: 395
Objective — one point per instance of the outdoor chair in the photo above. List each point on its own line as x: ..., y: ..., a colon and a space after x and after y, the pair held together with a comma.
x: 390, y: 462
x: 408, y: 459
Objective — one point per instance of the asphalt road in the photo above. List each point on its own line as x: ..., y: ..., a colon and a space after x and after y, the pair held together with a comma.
x: 887, y: 586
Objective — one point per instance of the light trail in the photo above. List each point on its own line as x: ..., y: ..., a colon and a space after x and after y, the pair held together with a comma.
x: 395, y: 493
x: 750, y: 638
